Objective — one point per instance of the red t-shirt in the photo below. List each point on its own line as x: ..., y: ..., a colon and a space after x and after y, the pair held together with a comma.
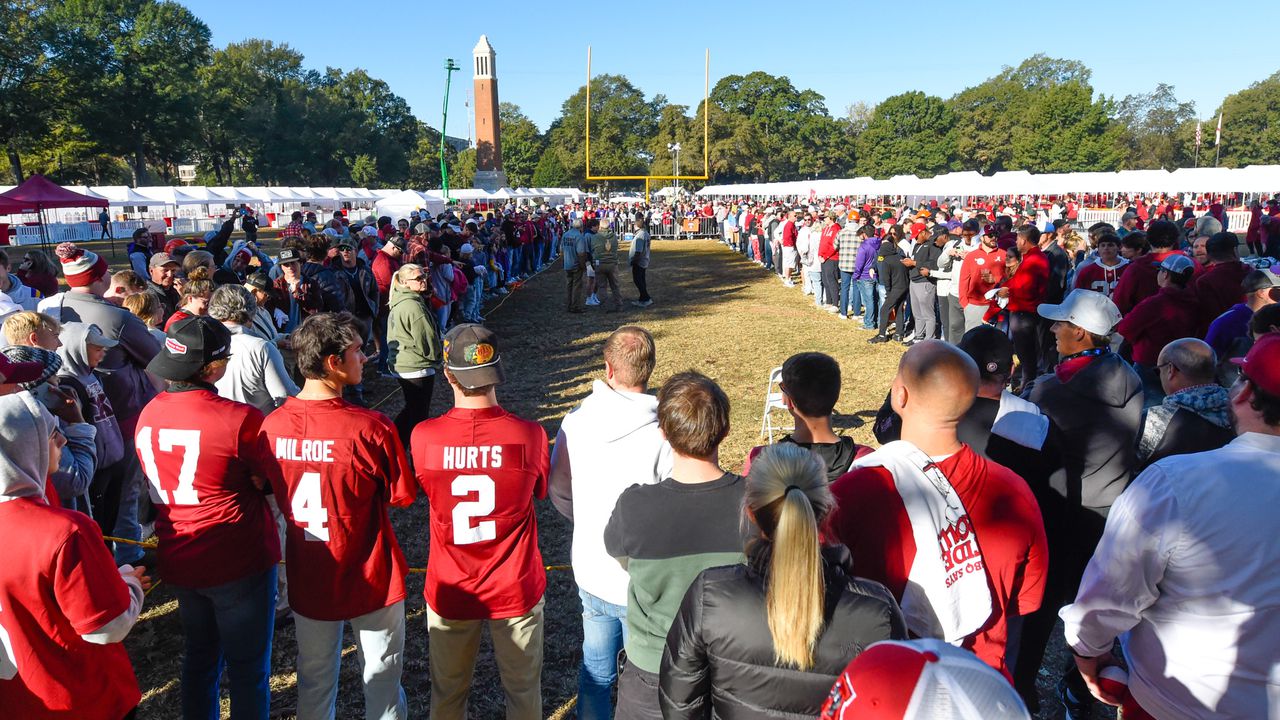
x: 1139, y: 282
x: 789, y: 233
x: 481, y: 470
x: 973, y: 289
x: 199, y: 453
x: 871, y: 520
x: 340, y: 467
x: 177, y: 315
x: 1100, y: 278
x: 1029, y: 282
x: 59, y: 584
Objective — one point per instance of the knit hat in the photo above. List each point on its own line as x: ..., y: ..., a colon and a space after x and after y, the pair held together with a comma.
x: 921, y: 680
x: 80, y: 267
x: 49, y: 361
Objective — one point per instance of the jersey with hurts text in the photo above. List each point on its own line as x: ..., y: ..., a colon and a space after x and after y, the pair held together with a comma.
x: 341, y: 466
x: 200, y: 454
x: 481, y: 470
x: 59, y: 583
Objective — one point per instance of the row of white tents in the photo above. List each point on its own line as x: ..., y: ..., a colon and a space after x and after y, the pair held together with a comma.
x: 1252, y: 179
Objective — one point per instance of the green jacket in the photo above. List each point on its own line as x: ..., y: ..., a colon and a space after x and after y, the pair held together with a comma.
x: 413, y: 342
x: 604, y: 248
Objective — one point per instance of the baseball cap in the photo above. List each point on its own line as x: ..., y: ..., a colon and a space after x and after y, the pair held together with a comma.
x: 160, y: 259
x: 1177, y: 264
x: 990, y: 348
x: 190, y: 344
x: 1088, y: 309
x: 342, y: 242
x: 288, y: 255
x: 921, y: 680
x: 369, y: 231
x: 258, y: 281
x: 397, y: 242
x: 471, y: 355
x: 1262, y: 363
x: 26, y: 366
x: 1260, y: 279
x: 466, y: 248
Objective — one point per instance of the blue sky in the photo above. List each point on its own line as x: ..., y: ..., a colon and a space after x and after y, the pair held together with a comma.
x: 847, y: 51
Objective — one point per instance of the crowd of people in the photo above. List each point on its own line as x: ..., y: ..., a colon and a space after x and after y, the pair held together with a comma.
x: 1084, y: 428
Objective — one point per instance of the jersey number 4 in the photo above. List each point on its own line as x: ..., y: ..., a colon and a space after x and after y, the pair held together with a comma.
x: 168, y: 440
x: 464, y: 532
x: 308, y: 508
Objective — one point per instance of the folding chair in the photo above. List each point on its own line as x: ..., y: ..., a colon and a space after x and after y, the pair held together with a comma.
x: 773, y: 402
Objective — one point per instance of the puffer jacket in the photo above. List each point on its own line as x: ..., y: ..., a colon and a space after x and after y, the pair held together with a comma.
x: 719, y: 660
x: 1099, y: 412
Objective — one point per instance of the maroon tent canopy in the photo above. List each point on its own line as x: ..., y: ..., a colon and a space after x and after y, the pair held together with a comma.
x: 39, y: 193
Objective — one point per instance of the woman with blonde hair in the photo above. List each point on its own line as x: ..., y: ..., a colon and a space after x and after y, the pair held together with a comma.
x: 768, y: 638
x: 413, y: 345
x: 193, y: 298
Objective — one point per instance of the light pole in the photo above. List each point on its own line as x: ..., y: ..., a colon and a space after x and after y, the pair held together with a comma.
x: 675, y: 148
x: 449, y: 67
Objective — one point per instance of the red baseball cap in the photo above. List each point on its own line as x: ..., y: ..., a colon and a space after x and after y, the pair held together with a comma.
x: 1262, y: 363
x: 15, y: 373
x: 921, y: 680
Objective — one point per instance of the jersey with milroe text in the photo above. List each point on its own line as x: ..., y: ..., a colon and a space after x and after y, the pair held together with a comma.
x: 59, y: 583
x: 481, y: 470
x: 200, y: 454
x: 341, y: 466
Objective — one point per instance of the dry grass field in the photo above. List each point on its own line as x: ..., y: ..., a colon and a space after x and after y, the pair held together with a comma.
x: 714, y: 312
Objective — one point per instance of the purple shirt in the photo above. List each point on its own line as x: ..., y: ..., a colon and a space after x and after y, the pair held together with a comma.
x: 1232, y: 324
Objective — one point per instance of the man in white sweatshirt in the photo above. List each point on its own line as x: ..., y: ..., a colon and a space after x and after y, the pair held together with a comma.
x: 607, y: 444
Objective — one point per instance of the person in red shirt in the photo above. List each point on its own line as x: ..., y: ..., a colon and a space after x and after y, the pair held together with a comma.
x: 64, y: 605
x: 481, y: 468
x: 1025, y: 291
x: 995, y: 513
x: 341, y: 466
x: 386, y: 261
x: 980, y: 272
x: 829, y: 252
x: 1219, y: 286
x: 790, y: 259
x: 1171, y: 314
x: 1139, y: 281
x: 1103, y: 272
x: 207, y: 463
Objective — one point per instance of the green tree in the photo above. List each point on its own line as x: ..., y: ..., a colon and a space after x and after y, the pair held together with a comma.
x: 1154, y: 126
x: 778, y: 114
x: 462, y: 171
x: 522, y: 144
x: 911, y: 133
x: 30, y: 88
x: 1250, y: 130
x: 1065, y: 130
x: 550, y: 171
x: 134, y: 67
x: 622, y: 122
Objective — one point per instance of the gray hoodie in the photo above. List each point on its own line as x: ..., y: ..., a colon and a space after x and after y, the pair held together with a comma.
x: 25, y: 428
x: 123, y: 370
x: 93, y: 398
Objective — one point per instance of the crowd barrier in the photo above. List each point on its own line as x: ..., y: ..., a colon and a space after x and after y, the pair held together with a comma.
x: 1237, y: 220
x: 195, y: 226
x: 689, y: 227
x: 73, y: 232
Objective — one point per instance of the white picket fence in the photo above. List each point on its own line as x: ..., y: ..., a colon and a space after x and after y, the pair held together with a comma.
x: 195, y: 226
x: 73, y: 232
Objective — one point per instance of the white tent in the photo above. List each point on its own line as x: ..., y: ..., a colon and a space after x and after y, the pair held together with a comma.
x: 503, y: 193
x: 404, y: 202
x: 122, y: 196
x: 166, y: 195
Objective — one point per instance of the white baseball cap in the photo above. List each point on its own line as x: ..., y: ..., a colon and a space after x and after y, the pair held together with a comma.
x: 1087, y: 309
x: 921, y: 680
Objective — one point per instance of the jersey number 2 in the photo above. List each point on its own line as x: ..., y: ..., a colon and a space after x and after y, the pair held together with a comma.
x: 464, y: 532
x: 308, y: 508
x: 168, y: 439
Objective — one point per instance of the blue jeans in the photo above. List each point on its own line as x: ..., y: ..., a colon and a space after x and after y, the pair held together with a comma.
x: 517, y: 259
x: 604, y: 630
x: 850, y: 299
x: 127, y: 525
x: 869, y: 291
x: 442, y: 317
x: 231, y: 622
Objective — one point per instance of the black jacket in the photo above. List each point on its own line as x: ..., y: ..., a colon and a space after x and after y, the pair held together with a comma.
x: 1099, y: 414
x: 1185, y: 432
x: 719, y: 660
x: 889, y: 268
x: 926, y: 255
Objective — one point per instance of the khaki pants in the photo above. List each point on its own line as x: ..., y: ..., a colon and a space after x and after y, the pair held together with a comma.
x: 575, y: 297
x: 608, y: 273
x: 517, y: 650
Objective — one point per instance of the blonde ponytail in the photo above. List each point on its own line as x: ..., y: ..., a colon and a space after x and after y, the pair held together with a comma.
x: 788, y: 495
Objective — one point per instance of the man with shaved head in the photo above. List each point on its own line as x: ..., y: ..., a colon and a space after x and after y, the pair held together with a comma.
x: 955, y: 537
x: 1195, y: 413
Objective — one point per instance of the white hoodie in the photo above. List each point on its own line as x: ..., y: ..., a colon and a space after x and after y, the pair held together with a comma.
x: 607, y: 444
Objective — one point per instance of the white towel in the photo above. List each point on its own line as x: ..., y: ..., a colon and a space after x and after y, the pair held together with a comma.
x: 1020, y: 421
x: 947, y: 594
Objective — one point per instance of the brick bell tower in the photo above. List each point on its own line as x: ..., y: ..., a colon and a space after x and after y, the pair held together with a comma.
x: 489, y: 174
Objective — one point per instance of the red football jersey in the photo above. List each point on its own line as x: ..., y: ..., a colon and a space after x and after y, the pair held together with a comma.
x: 199, y: 453
x: 62, y: 584
x: 871, y: 519
x: 481, y: 470
x: 1095, y: 276
x: 341, y: 465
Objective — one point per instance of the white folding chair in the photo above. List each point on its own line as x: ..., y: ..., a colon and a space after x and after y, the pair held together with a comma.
x: 772, y: 403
